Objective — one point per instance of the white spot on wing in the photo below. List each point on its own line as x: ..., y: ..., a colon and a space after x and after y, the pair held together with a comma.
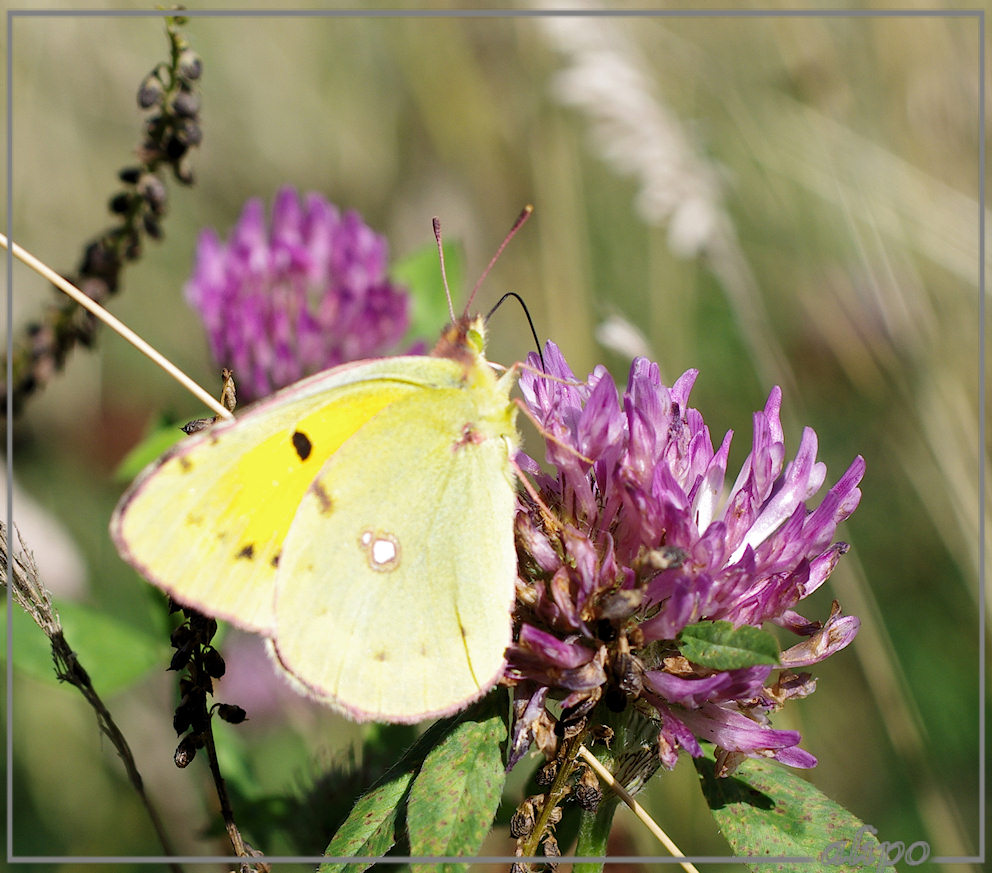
x: 382, y: 550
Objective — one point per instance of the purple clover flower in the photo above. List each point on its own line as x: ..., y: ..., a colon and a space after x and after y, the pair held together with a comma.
x: 307, y: 293
x: 644, y: 543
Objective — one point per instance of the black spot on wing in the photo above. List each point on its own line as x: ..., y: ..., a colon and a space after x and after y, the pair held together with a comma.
x: 302, y: 444
x: 247, y: 552
x: 185, y: 464
x: 275, y: 559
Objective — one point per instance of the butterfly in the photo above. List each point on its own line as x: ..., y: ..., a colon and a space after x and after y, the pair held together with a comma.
x: 360, y: 519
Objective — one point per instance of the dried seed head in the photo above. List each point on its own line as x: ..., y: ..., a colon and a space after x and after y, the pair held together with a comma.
x: 181, y: 658
x: 153, y: 190
x: 180, y: 636
x: 231, y: 714
x: 151, y: 226
x: 213, y: 663
x: 546, y: 775
x: 150, y: 92
x: 588, y: 792
x: 186, y: 104
x: 119, y: 203
x: 190, y: 65
x: 129, y: 175
x: 550, y: 846
x: 522, y: 821
x: 186, y: 750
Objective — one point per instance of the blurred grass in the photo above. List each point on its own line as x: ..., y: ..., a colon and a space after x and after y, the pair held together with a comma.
x: 837, y: 159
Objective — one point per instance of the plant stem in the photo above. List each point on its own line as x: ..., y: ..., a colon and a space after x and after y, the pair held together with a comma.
x: 594, y: 827
x: 554, y: 795
x: 594, y: 830
x: 31, y: 594
x: 241, y: 849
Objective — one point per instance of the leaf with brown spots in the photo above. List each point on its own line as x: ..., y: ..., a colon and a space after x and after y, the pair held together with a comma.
x: 764, y: 810
x: 454, y: 798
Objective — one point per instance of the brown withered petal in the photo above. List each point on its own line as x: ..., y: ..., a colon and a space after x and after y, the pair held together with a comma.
x: 727, y: 762
x: 603, y: 734
x: 620, y: 604
x: 665, y: 558
x: 545, y: 737
x: 792, y: 685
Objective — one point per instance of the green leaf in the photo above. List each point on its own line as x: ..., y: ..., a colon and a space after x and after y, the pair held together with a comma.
x: 114, y: 653
x: 765, y: 810
x: 371, y: 829
x: 719, y: 645
x: 163, y: 435
x: 421, y: 273
x: 456, y: 793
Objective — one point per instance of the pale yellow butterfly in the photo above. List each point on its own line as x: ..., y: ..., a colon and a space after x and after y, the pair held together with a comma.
x: 361, y: 520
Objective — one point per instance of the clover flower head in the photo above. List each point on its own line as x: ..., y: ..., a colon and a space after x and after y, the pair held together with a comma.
x: 287, y: 299
x: 645, y: 541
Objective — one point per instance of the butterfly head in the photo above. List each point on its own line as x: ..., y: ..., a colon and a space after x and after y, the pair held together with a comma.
x: 464, y: 340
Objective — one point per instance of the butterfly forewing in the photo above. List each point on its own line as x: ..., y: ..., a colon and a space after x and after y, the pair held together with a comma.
x: 206, y: 521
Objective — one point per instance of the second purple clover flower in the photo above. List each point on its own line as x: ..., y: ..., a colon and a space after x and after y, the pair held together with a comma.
x: 645, y: 542
x: 308, y: 292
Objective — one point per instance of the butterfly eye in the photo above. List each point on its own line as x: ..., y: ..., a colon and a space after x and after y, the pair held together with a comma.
x: 475, y: 339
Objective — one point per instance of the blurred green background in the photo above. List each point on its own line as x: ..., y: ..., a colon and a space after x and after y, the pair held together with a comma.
x: 787, y: 201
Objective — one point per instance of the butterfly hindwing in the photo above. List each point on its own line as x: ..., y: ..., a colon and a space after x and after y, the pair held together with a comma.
x: 384, y: 606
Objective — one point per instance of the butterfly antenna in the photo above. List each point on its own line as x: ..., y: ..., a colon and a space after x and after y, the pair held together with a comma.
x: 436, y: 222
x: 530, y: 321
x: 524, y: 215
